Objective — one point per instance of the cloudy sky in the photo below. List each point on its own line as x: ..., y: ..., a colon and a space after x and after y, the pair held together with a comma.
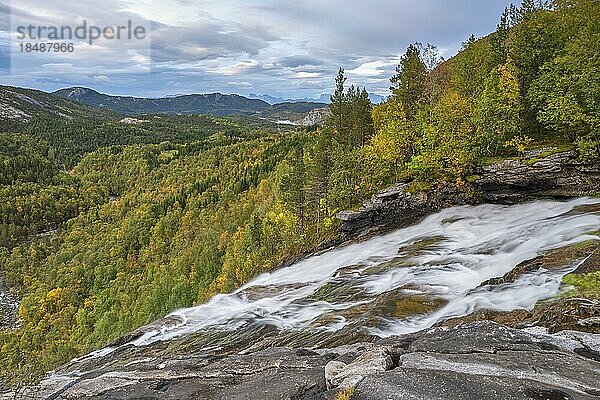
x: 278, y: 47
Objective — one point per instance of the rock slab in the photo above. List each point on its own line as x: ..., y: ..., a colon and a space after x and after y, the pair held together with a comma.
x: 480, y: 360
x: 511, y: 181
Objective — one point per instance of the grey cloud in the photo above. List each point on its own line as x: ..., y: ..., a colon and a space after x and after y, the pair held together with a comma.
x: 208, y: 39
x: 70, y: 12
x: 284, y: 48
x: 378, y: 26
x: 4, y: 17
x: 299, y: 61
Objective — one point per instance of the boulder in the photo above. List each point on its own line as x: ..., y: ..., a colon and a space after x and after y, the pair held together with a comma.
x: 559, y: 174
x: 341, y: 375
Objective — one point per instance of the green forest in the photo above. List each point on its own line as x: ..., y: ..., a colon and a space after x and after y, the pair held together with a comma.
x: 106, y: 227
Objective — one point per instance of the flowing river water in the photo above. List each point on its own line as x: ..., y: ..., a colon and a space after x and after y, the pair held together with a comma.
x: 398, y: 283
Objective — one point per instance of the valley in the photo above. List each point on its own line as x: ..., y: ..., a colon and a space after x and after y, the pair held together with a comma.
x: 213, y: 104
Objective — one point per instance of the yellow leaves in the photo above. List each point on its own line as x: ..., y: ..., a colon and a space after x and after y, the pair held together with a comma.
x: 498, y: 108
x: 509, y: 83
x: 27, y: 280
x: 50, y: 303
x: 224, y: 239
x: 378, y: 115
x: 519, y: 143
x: 115, y: 251
x: 88, y: 303
x: 264, y: 191
x: 453, y: 112
x: 23, y: 312
x: 55, y: 294
x: 393, y: 143
x: 221, y: 282
x: 328, y: 223
x: 390, y: 111
x: 345, y: 394
x: 382, y: 146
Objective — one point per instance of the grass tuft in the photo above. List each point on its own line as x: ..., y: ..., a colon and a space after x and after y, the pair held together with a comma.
x: 345, y: 394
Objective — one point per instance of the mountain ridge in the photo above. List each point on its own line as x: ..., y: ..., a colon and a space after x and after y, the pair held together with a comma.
x: 217, y: 104
x: 213, y: 103
x: 22, y: 105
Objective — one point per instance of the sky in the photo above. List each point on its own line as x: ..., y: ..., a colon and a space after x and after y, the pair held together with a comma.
x: 283, y: 48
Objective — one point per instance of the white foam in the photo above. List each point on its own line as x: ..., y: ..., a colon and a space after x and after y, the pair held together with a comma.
x: 483, y: 242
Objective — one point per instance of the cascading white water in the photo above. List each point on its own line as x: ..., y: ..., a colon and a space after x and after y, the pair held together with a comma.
x: 445, y: 257
x: 471, y: 245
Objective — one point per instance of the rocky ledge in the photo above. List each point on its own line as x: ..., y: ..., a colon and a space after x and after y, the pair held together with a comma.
x: 9, y: 305
x: 480, y: 360
x: 539, y: 173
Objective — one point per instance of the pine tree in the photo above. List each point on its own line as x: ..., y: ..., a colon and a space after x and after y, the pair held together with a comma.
x: 338, y: 105
x: 499, y: 38
x: 350, y: 138
x: 322, y: 160
x: 293, y: 185
x: 407, y: 84
x: 362, y: 118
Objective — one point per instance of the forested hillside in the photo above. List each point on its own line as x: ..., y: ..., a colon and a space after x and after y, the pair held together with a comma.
x: 214, y: 103
x: 534, y: 82
x: 163, y: 213
x: 20, y: 105
x: 37, y: 191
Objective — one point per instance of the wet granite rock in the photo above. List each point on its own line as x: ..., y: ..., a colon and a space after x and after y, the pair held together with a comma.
x: 397, y: 206
x: 481, y: 360
x: 560, y: 174
x: 267, y: 374
x: 485, y: 360
x: 9, y: 307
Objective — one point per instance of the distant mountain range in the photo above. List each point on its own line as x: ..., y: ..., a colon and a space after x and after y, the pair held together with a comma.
x: 213, y: 104
x: 323, y: 98
x: 20, y: 104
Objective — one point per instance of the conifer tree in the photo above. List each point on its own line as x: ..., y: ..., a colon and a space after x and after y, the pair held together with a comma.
x: 407, y: 83
x: 362, y: 119
x: 499, y: 38
x: 338, y: 105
